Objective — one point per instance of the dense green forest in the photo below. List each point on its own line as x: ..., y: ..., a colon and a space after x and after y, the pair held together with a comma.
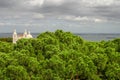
x: 8, y: 39
x: 59, y: 55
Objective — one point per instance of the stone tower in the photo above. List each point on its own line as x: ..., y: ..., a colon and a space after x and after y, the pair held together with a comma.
x: 14, y: 36
x: 25, y: 34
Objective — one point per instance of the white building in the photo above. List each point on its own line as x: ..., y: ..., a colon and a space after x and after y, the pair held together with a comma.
x: 24, y: 35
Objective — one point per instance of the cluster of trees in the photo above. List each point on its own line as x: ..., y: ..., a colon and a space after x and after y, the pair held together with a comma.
x: 8, y: 39
x: 60, y: 56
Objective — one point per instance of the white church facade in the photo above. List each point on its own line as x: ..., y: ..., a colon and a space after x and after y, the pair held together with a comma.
x: 24, y: 35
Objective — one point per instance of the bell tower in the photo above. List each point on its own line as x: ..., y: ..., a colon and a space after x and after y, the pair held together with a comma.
x: 25, y: 34
x: 14, y: 36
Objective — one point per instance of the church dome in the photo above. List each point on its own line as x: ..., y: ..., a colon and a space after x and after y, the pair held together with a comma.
x: 17, y: 37
x: 29, y: 35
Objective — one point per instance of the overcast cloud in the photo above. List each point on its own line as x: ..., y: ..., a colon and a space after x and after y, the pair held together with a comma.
x: 71, y: 15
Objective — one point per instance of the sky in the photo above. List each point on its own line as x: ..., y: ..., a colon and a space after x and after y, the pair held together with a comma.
x: 77, y: 16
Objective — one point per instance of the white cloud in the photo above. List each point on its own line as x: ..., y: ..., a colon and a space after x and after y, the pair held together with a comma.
x: 6, y: 23
x: 38, y: 16
x: 98, y: 2
x: 35, y: 2
x: 16, y: 16
x: 83, y: 19
x: 97, y: 20
x: 68, y: 17
x: 2, y: 24
x: 55, y: 2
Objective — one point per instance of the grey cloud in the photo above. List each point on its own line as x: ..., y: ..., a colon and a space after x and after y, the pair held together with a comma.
x: 6, y: 3
x: 78, y: 8
x: 68, y: 7
x: 111, y: 12
x: 10, y: 3
x: 20, y: 11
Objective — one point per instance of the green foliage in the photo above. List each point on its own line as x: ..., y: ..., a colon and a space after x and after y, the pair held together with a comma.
x: 6, y: 47
x: 16, y: 73
x: 59, y: 55
x: 9, y: 39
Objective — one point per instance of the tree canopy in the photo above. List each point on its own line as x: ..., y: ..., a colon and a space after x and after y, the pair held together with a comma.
x: 59, y: 55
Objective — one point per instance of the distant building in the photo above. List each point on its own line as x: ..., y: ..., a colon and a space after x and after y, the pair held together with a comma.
x: 24, y: 35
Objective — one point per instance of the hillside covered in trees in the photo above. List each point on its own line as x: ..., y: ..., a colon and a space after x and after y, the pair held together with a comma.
x: 59, y: 55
